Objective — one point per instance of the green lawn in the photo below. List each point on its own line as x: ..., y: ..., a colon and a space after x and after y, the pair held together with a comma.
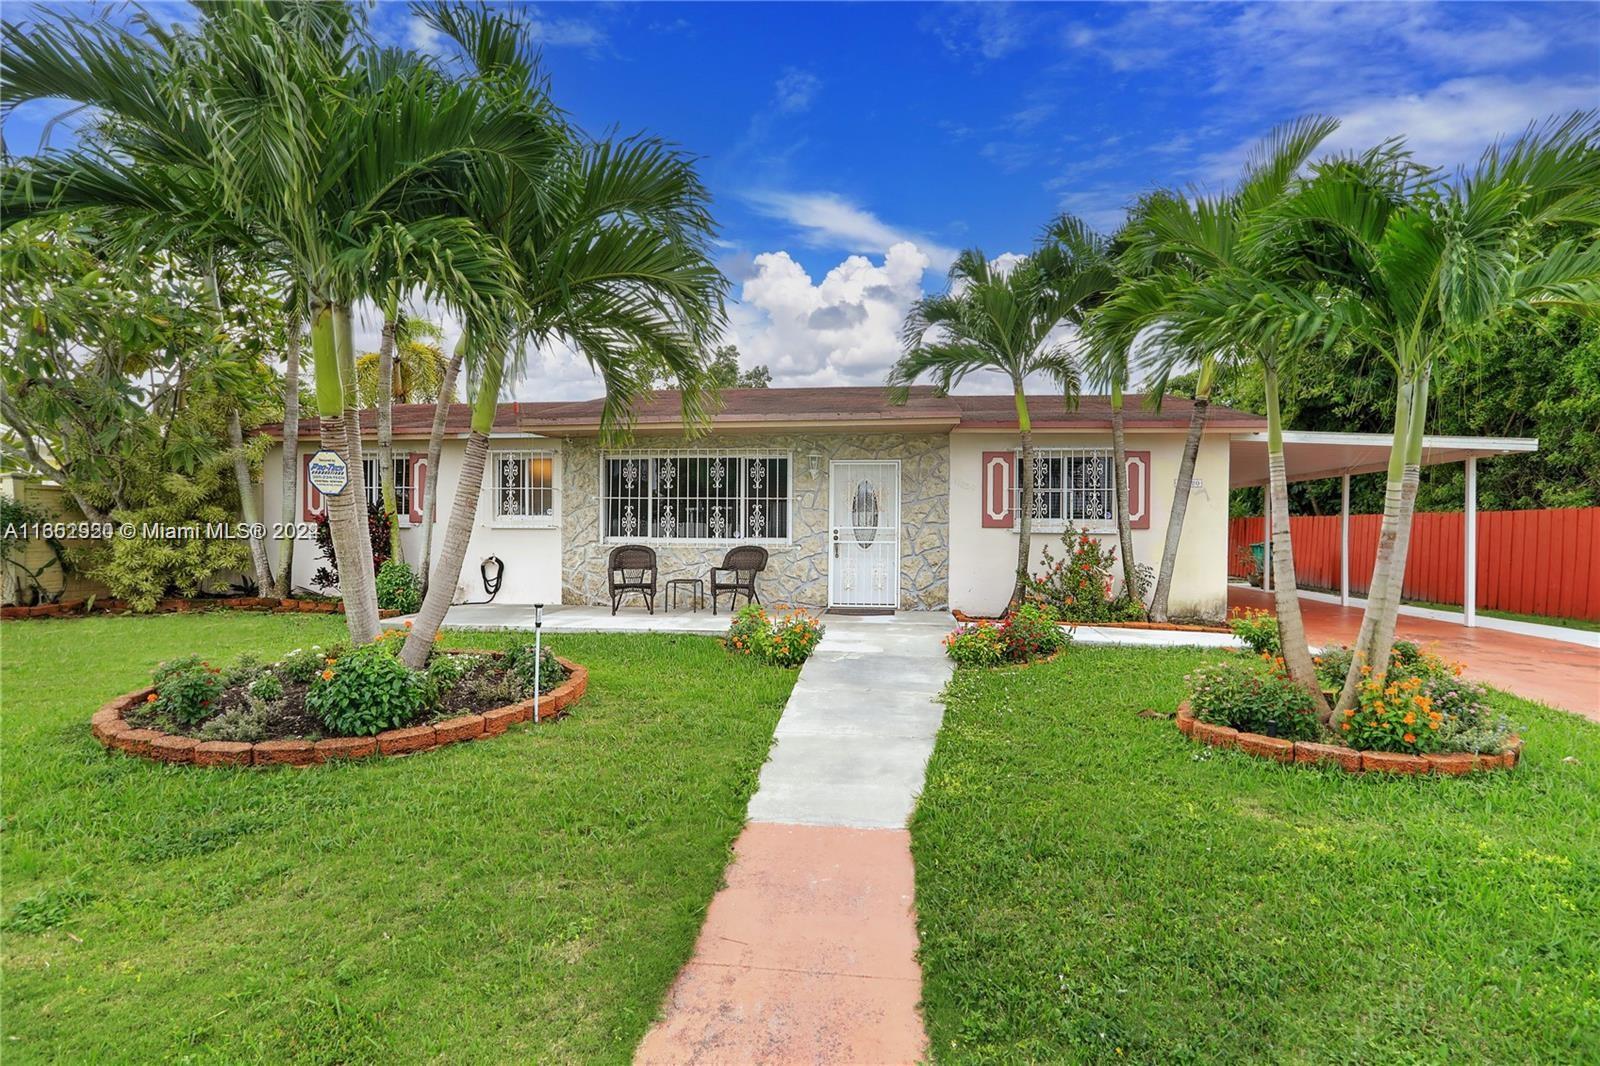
x: 527, y: 898
x: 1093, y: 886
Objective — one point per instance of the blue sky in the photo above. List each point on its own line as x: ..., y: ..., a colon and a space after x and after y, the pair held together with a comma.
x: 852, y: 148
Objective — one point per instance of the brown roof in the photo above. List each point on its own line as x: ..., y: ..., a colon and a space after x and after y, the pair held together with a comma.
x: 866, y: 407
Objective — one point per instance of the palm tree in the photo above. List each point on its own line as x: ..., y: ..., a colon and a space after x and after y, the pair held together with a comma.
x: 1002, y: 320
x: 289, y: 474
x: 407, y: 368
x: 1419, y: 265
x: 430, y: 493
x: 610, y: 243
x: 1170, y: 241
x: 1078, y: 244
x: 276, y: 128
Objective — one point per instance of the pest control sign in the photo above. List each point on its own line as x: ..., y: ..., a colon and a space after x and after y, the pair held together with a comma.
x: 328, y: 473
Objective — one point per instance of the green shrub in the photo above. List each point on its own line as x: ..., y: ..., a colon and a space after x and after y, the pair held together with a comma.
x: 243, y: 670
x: 1259, y: 631
x: 398, y: 587
x: 1252, y: 694
x: 1078, y: 587
x: 304, y: 664
x: 186, y: 689
x: 787, y: 640
x: 1422, y: 704
x: 975, y: 644
x: 1032, y: 631
x: 266, y: 688
x: 244, y: 725
x: 366, y: 691
x: 522, y: 665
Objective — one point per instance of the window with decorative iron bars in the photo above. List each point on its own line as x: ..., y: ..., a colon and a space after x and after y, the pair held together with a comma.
x: 523, y: 484
x: 706, y: 496
x: 1070, y: 485
x: 402, y: 484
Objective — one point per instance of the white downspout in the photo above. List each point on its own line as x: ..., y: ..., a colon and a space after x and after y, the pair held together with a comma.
x: 1344, y: 540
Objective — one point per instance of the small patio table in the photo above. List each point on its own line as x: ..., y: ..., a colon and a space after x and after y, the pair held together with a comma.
x: 696, y: 588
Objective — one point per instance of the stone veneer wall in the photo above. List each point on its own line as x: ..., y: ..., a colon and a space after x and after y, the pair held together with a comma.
x: 797, y: 573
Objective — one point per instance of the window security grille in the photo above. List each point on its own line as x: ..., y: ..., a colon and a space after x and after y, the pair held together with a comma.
x: 709, y: 496
x: 402, y: 483
x: 1070, y: 485
x: 523, y: 483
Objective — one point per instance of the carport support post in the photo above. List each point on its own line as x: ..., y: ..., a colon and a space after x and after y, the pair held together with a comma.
x: 1344, y: 540
x: 1469, y: 579
x: 1266, y: 546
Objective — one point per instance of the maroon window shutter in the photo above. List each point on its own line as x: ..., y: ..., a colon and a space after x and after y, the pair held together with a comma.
x: 419, y: 474
x: 311, y: 502
x: 1138, y: 476
x: 999, y: 489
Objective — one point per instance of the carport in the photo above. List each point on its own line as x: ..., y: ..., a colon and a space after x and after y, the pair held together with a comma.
x: 1312, y: 455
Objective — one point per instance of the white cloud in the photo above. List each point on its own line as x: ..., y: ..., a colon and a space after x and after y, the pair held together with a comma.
x: 843, y: 330
x: 795, y: 90
x: 991, y: 30
x: 826, y: 220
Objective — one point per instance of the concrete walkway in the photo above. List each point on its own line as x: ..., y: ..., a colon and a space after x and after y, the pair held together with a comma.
x: 1551, y: 671
x: 809, y: 953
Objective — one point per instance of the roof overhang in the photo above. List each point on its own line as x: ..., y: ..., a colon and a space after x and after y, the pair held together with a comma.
x: 1309, y: 455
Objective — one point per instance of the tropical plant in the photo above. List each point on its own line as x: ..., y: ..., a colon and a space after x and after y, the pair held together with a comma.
x: 397, y: 587
x: 1170, y: 243
x: 1417, y: 264
x: 406, y: 367
x: 609, y: 241
x: 430, y: 492
x: 1254, y: 695
x: 279, y: 130
x: 1231, y: 288
x: 1078, y: 585
x: 1002, y: 318
x: 366, y: 692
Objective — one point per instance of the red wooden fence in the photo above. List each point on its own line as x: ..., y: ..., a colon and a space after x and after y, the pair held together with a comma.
x: 1529, y: 562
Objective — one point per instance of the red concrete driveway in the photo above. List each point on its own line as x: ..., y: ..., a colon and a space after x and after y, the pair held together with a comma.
x: 1551, y: 671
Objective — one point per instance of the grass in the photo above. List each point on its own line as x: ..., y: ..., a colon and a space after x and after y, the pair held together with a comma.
x: 1092, y: 886
x: 527, y: 898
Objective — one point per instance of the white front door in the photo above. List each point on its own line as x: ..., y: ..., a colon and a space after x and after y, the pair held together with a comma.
x: 864, y: 534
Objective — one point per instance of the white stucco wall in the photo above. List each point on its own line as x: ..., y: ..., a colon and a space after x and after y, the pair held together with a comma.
x: 983, y: 561
x: 531, y: 556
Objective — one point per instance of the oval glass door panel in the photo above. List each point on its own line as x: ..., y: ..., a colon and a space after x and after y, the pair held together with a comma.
x: 864, y: 513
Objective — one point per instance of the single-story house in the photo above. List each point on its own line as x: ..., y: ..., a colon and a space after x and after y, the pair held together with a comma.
x: 861, y: 503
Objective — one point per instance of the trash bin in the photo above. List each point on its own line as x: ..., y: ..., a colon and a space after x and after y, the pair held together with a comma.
x: 1258, y: 552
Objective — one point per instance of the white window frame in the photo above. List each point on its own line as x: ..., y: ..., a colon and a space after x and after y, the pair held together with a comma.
x: 493, y: 486
x: 1069, y: 494
x: 402, y: 501
x: 645, y: 455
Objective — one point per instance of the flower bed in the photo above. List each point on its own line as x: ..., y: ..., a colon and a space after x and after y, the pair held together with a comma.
x: 1420, y: 716
x: 1029, y: 634
x: 183, y: 604
x: 1310, y: 752
x: 784, y: 640
x: 316, y: 705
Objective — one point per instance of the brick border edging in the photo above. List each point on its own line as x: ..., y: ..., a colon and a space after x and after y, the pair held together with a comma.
x: 114, y: 733
x: 181, y: 605
x: 1179, y: 627
x: 1310, y: 753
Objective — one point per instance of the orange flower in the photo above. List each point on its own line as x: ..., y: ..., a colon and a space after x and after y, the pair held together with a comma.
x: 1409, y: 719
x: 151, y: 698
x: 408, y: 623
x: 1433, y: 725
x: 1346, y: 727
x: 1351, y: 713
x: 327, y: 675
x: 328, y: 661
x: 1410, y: 738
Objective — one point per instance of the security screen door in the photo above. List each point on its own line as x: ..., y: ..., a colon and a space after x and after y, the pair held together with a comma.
x: 864, y: 534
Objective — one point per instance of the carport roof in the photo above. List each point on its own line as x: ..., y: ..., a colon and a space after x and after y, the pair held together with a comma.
x: 1311, y: 454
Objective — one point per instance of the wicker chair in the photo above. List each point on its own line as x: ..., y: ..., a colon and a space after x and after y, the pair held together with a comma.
x: 738, y: 574
x: 632, y: 568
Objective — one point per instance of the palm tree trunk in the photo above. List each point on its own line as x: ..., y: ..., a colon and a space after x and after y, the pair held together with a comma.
x: 1180, y: 494
x: 247, y: 506
x: 1383, y: 626
x: 1291, y: 626
x: 1383, y: 560
x: 288, y: 517
x: 386, y: 435
x: 430, y: 498
x: 463, y: 512
x: 1119, y: 480
x: 347, y: 510
x: 1024, y: 502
